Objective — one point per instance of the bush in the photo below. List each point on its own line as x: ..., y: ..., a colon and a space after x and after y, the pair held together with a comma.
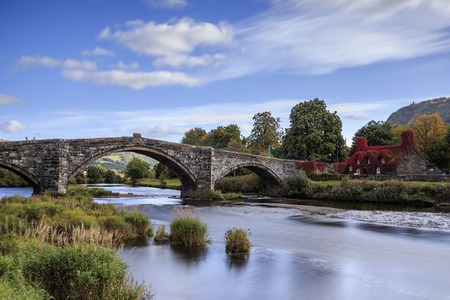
x: 213, y: 195
x: 233, y: 196
x: 241, y: 184
x: 187, y: 228
x: 298, y: 186
x: 237, y: 241
x: 138, y: 221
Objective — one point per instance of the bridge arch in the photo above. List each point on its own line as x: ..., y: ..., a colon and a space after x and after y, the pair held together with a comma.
x: 186, y: 177
x: 273, y: 182
x: 27, y: 176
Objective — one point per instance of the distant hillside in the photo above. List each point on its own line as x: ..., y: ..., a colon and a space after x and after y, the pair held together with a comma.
x: 406, y: 114
x: 119, y: 160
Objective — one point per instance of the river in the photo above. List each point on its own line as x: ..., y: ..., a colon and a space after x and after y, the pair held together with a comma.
x: 297, y: 252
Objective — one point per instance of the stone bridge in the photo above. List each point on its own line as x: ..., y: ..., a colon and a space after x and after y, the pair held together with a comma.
x: 49, y: 165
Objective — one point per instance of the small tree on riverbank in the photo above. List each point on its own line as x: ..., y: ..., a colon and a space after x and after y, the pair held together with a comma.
x: 136, y: 169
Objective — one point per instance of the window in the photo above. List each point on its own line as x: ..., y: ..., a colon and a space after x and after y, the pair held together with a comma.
x: 378, y: 170
x: 368, y: 161
x: 357, y: 161
x: 350, y: 169
x: 383, y: 161
x: 358, y: 172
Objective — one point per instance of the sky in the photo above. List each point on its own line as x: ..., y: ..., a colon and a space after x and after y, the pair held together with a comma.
x: 111, y: 68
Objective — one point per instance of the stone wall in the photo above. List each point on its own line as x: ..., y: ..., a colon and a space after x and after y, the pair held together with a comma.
x: 413, y: 162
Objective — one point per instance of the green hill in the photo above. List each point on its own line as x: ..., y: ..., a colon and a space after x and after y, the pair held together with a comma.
x: 406, y: 114
x: 119, y: 160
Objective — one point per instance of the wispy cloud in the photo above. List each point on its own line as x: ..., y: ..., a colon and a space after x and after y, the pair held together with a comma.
x: 314, y: 37
x: 98, y: 52
x: 167, y: 3
x: 46, y: 61
x: 5, y: 99
x: 123, y: 66
x: 12, y: 126
x: 358, y: 116
x: 181, y: 60
x: 134, y: 80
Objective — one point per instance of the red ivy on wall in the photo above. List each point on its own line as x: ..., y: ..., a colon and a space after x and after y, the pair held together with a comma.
x: 311, y: 166
x: 368, y: 159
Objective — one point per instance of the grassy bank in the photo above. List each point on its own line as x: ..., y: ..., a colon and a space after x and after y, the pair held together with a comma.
x: 394, y: 191
x: 174, y: 183
x: 63, y: 248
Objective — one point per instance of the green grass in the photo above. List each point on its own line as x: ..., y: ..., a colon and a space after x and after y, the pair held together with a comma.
x: 187, y: 228
x: 237, y: 241
x: 63, y: 248
x: 173, y: 183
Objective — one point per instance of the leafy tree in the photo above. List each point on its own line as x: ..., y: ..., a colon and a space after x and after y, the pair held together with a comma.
x: 221, y: 136
x: 439, y: 153
x: 428, y: 129
x: 377, y: 134
x: 95, y: 174
x: 236, y: 146
x: 314, y: 131
x: 162, y: 170
x: 112, y: 177
x: 196, y: 136
x: 266, y: 132
x: 397, y: 131
x: 136, y: 169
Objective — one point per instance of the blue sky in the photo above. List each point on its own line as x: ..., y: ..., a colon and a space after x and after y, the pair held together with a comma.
x: 105, y: 68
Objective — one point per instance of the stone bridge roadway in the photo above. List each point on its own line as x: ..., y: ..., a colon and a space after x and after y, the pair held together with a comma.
x: 49, y: 165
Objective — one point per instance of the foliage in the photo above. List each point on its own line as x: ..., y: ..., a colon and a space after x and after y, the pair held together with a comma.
x: 241, y: 184
x: 428, y: 129
x: 233, y: 196
x: 234, y: 145
x: 406, y: 114
x: 136, y: 169
x: 237, y: 241
x: 310, y: 166
x: 90, y: 192
x: 314, y: 131
x: 9, y: 179
x: 161, y: 169
x: 95, y: 174
x: 161, y: 235
x: 397, y: 130
x: 376, y: 133
x: 196, y: 136
x: 221, y: 136
x: 174, y: 183
x: 187, y: 228
x: 119, y: 160
x: 298, y: 186
x: 266, y: 131
x: 112, y: 177
x: 213, y: 195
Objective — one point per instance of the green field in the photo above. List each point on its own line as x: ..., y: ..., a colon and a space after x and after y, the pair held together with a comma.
x: 174, y: 183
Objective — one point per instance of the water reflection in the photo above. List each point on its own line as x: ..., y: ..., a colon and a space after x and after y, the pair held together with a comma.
x: 189, y: 255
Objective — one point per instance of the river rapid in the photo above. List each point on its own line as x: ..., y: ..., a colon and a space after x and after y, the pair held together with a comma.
x: 298, y: 251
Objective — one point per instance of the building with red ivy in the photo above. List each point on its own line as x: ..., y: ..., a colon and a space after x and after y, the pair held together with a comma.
x: 401, y: 159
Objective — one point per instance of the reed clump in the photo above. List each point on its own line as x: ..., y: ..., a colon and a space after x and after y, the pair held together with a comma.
x: 237, y: 241
x: 187, y: 228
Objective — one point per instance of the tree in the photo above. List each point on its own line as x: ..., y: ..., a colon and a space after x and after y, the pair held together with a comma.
x: 162, y: 170
x: 136, y: 169
x: 314, y: 131
x: 377, y: 134
x: 397, y: 131
x: 196, y: 136
x: 266, y: 132
x: 236, y: 146
x: 95, y: 174
x: 221, y: 136
x: 428, y: 129
x: 112, y: 177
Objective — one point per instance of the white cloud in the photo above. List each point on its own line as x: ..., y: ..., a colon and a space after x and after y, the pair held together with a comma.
x: 160, y: 131
x: 99, y: 52
x: 28, y: 61
x: 5, y: 99
x: 170, y: 39
x: 134, y: 80
x: 12, y: 126
x: 123, y: 66
x: 181, y: 60
x: 167, y: 3
x: 321, y: 36
x: 358, y: 116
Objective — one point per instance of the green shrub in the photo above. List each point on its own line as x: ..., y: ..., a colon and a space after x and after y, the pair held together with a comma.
x: 233, y: 196
x: 138, y: 221
x: 241, y: 184
x: 161, y: 235
x: 298, y: 186
x: 237, y: 241
x: 117, y: 223
x: 213, y: 195
x: 187, y: 228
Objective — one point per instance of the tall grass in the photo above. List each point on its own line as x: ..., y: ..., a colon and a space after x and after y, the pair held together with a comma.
x: 187, y: 228
x: 237, y: 241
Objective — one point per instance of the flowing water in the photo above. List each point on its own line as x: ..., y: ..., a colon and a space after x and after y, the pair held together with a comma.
x: 295, y: 255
